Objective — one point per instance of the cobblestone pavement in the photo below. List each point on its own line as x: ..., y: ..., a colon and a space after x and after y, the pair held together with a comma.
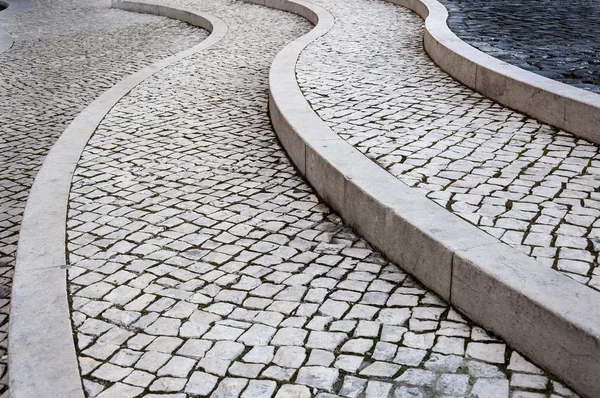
x: 203, y: 264
x: 523, y: 182
x: 65, y: 55
x: 556, y: 39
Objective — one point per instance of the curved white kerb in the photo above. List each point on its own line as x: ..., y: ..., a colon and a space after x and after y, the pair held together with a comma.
x: 546, y: 315
x: 42, y: 357
x: 570, y: 108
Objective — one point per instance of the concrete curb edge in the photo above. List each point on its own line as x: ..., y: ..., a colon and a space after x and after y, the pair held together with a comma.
x: 6, y: 41
x: 567, y: 107
x: 545, y: 315
x: 42, y: 356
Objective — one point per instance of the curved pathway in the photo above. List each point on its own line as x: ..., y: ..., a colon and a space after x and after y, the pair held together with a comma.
x: 65, y: 55
x: 202, y: 264
x: 521, y: 181
x: 556, y: 39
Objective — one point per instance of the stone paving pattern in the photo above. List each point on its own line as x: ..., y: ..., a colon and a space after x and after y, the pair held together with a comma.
x: 66, y: 53
x: 556, y: 39
x: 523, y: 182
x: 202, y: 264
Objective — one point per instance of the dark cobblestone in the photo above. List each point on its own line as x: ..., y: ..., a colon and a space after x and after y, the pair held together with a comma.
x: 556, y: 39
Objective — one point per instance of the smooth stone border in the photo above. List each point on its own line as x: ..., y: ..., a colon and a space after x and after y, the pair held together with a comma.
x: 569, y: 108
x: 549, y: 317
x: 42, y: 356
x: 17, y: 7
x: 6, y: 41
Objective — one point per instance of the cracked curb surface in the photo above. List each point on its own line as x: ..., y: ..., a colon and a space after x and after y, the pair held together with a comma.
x: 523, y: 182
x: 50, y: 74
x: 201, y: 262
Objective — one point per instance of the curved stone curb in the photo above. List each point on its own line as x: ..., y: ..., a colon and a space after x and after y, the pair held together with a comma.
x: 6, y: 41
x: 570, y: 108
x: 42, y: 358
x: 17, y: 7
x: 549, y: 317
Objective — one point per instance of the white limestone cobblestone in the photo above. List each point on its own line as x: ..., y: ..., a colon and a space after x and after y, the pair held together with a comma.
x: 523, y: 182
x: 65, y: 54
x: 245, y: 283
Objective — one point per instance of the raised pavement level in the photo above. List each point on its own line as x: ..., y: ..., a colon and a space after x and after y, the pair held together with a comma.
x: 6, y: 39
x: 546, y: 315
x: 42, y: 358
x: 16, y: 7
x: 569, y: 108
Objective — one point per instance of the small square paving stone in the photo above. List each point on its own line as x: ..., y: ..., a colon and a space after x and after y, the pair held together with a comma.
x: 125, y: 357
x: 289, y: 336
x: 164, y: 327
x: 195, y: 348
x: 367, y: 329
x: 290, y: 356
x: 320, y: 357
x: 519, y: 364
x: 377, y: 389
x: 247, y: 370
x: 325, y: 340
x: 533, y: 382
x: 139, y: 378
x: 422, y: 341
x: 404, y: 391
x: 278, y: 373
x: 409, y: 356
x: 225, y: 350
x: 360, y: 311
x: 357, y: 346
x: 487, y: 352
x: 165, y: 344
x: 384, y: 351
x: 259, y: 389
x: 110, y: 372
x: 121, y: 390
x: 394, y: 316
x: 220, y: 332
x: 177, y: 367
x: 293, y: 391
x: 269, y: 318
x: 334, y: 308
x: 258, y: 335
x: 193, y: 330
x: 151, y: 361
x: 342, y: 326
x: 352, y: 387
x: 349, y: 363
x: 229, y: 387
x: 318, y: 377
x: 417, y: 377
x: 215, y: 365
x: 491, y: 388
x: 260, y: 354
x: 452, y: 384
x: 201, y: 383
x: 444, y: 363
x: 392, y: 334
x: 380, y: 369
x: 168, y: 384
x: 450, y: 345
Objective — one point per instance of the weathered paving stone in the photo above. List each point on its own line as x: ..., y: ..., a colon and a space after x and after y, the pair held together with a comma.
x: 75, y: 51
x: 525, y: 183
x: 186, y: 165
